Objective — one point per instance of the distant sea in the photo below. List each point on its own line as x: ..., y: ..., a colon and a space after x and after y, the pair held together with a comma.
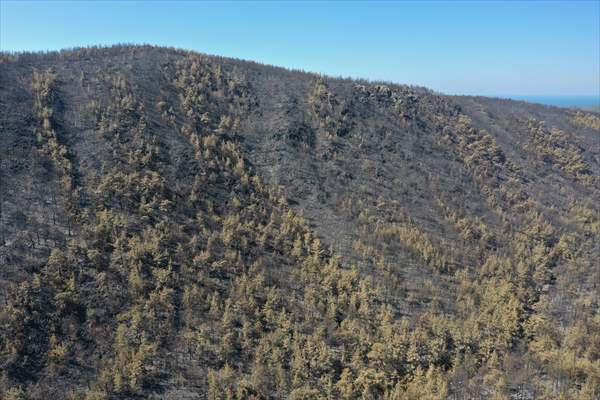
x: 561, y: 101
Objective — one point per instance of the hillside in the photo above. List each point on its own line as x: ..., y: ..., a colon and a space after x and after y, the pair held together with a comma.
x: 182, y: 226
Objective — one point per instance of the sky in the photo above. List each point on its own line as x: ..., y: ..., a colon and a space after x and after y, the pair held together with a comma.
x: 472, y: 47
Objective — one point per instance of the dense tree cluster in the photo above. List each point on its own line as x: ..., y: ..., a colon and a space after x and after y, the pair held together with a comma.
x: 555, y: 147
x: 588, y: 120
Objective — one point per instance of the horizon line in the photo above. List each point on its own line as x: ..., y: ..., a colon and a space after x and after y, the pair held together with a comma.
x: 358, y: 78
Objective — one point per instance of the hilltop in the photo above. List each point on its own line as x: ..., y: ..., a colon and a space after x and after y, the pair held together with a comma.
x: 178, y: 225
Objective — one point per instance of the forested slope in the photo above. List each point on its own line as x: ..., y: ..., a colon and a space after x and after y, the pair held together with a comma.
x: 175, y: 225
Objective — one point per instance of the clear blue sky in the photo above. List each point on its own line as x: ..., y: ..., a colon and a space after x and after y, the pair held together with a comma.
x: 489, y: 48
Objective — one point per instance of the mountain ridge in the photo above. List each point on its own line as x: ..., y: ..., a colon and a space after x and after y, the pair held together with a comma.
x: 399, y: 242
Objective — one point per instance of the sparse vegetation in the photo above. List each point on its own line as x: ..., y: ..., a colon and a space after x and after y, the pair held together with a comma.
x: 183, y: 226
